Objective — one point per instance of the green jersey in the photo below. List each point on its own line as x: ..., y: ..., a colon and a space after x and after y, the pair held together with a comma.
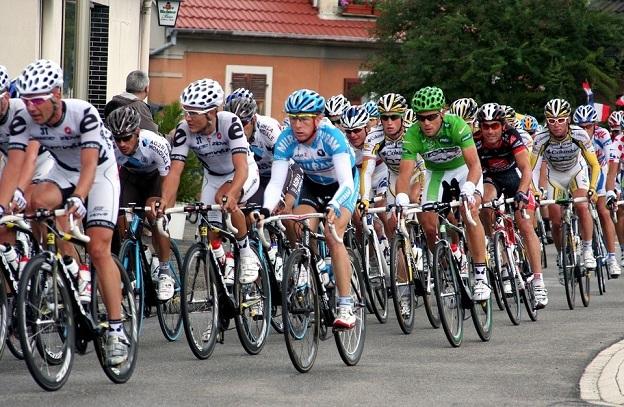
x: 442, y: 151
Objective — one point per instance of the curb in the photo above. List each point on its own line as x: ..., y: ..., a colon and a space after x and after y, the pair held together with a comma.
x: 602, y: 382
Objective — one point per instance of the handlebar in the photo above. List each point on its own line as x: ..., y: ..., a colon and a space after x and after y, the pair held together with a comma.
x: 200, y: 207
x: 74, y: 227
x: 296, y: 218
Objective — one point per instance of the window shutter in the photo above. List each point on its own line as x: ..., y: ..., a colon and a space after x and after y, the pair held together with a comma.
x: 256, y: 83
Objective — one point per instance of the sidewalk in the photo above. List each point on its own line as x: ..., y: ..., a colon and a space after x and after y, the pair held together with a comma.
x: 602, y: 382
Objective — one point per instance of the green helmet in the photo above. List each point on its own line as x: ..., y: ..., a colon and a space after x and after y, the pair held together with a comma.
x: 429, y: 98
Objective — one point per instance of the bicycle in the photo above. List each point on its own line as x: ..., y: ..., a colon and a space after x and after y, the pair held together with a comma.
x: 133, y: 258
x: 574, y: 270
x: 208, y: 303
x: 452, y: 288
x: 307, y: 304
x: 512, y: 267
x: 600, y: 250
x: 52, y: 321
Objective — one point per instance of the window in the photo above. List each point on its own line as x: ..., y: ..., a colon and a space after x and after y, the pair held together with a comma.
x: 349, y: 84
x: 258, y: 79
x: 69, y: 47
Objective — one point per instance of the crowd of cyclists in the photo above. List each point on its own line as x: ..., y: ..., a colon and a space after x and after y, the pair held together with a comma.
x: 327, y: 157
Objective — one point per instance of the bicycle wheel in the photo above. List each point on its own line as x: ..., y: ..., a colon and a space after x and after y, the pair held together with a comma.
x: 601, y: 259
x: 568, y: 264
x: 528, y: 293
x: 199, y: 305
x: 448, y: 294
x: 375, y: 281
x: 123, y: 372
x: 169, y: 315
x: 4, y: 316
x: 254, y: 308
x: 583, y: 278
x: 506, y: 269
x: 13, y: 341
x: 401, y: 284
x: 128, y: 257
x: 350, y: 343
x: 46, y: 322
x: 424, y: 280
x: 300, y: 311
x: 493, y: 276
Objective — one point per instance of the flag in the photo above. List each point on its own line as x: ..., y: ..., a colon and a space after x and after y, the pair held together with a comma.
x: 620, y: 101
x: 589, y: 92
x: 603, y: 111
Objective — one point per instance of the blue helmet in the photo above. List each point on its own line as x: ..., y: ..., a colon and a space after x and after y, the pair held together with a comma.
x: 304, y: 101
x: 585, y: 114
x: 529, y: 123
x: 355, y: 117
x: 372, y: 109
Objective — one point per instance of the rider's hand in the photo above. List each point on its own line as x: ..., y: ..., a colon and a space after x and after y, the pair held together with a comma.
x: 264, y: 213
x: 611, y: 200
x: 521, y: 199
x: 333, y: 212
x: 2, y: 210
x: 470, y: 199
x: 158, y: 207
x: 74, y: 204
x: 592, y: 195
x: 229, y: 203
x: 402, y: 199
x: 19, y: 202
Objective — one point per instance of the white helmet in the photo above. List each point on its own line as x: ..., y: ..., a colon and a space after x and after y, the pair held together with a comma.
x: 5, y: 81
x: 408, y: 118
x: 40, y: 76
x: 615, y: 119
x: 336, y: 105
x: 202, y: 94
x: 466, y: 108
x: 355, y: 117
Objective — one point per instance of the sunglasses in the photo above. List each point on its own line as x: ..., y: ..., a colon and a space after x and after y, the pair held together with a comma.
x: 491, y: 126
x: 124, y: 139
x: 36, y: 100
x: 302, y: 116
x: 429, y: 117
x: 557, y: 120
x: 390, y: 117
x: 356, y: 131
x: 586, y: 125
x: 193, y: 113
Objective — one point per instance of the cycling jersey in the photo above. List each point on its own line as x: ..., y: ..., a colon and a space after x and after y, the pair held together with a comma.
x: 214, y: 150
x: 5, y: 123
x: 374, y: 172
x: 603, y: 145
x: 265, y: 134
x: 442, y: 151
x: 501, y: 157
x: 151, y: 155
x: 526, y: 138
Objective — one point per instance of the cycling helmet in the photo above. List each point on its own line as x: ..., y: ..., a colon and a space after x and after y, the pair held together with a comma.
x: 355, y: 117
x: 123, y: 121
x: 391, y: 103
x: 529, y: 123
x: 241, y: 102
x: 510, y: 112
x: 371, y: 108
x: 466, y: 108
x: 429, y: 98
x: 5, y: 81
x: 304, y: 101
x: 336, y: 105
x: 491, y: 112
x: 40, y: 76
x: 557, y: 108
x: 585, y: 114
x: 202, y: 94
x: 408, y: 118
x: 615, y: 119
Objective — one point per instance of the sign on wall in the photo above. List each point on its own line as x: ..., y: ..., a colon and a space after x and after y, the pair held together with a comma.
x: 168, y: 12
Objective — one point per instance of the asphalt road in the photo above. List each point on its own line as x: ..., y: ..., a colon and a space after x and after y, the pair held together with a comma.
x: 532, y: 364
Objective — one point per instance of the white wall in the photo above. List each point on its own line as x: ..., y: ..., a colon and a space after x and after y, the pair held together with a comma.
x: 20, y: 35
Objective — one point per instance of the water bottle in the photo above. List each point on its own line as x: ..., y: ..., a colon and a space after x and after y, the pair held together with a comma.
x: 217, y: 251
x: 154, y: 268
x: 84, y: 283
x: 461, y: 259
x: 229, y: 268
x: 322, y: 267
x: 22, y: 264
x: 71, y: 265
x: 148, y: 254
x: 272, y: 252
x: 418, y: 256
x: 279, y: 268
x: 10, y: 255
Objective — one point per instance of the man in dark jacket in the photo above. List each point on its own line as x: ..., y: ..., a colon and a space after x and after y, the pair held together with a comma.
x: 137, y: 88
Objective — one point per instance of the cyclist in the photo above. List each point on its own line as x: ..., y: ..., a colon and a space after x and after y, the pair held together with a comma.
x: 512, y: 119
x: 408, y: 119
x: 615, y: 123
x: 262, y: 132
x: 507, y: 170
x: 335, y: 107
x: 446, y: 144
x: 330, y: 182
x: 230, y: 171
x: 529, y: 124
x: 466, y: 108
x: 72, y: 131
x: 567, y: 151
x: 373, y: 114
x: 586, y: 117
x: 143, y: 159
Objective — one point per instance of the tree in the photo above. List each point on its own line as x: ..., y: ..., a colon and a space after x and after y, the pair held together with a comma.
x: 516, y: 52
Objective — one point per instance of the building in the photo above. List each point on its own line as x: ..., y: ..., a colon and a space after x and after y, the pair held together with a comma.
x: 272, y: 47
x: 97, y: 42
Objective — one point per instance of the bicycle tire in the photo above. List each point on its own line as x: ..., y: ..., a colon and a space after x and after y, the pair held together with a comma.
x: 198, y: 276
x: 350, y: 343
x: 253, y: 329
x: 425, y: 278
x: 300, y: 311
x: 528, y: 293
x: 568, y: 260
x: 402, y: 285
x: 275, y: 279
x: 583, y: 277
x: 4, y: 316
x: 123, y: 372
x: 374, y: 281
x: 446, y: 287
x: 13, y: 340
x: 505, y: 268
x: 601, y: 259
x: 169, y: 314
x: 36, y: 301
x: 127, y: 256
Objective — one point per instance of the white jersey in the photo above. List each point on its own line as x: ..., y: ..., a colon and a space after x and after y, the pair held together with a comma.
x: 5, y: 123
x: 151, y: 154
x: 214, y: 150
x: 265, y: 134
x: 563, y: 155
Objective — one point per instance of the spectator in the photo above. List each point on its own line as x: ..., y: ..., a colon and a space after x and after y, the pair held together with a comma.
x: 137, y: 88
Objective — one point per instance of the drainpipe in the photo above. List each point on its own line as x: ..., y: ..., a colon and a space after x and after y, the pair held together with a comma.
x: 172, y: 37
x: 145, y: 24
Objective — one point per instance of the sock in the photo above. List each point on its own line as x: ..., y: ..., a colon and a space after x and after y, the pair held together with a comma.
x: 480, y: 271
x: 622, y: 248
x: 345, y: 301
x: 587, y: 244
x: 547, y: 225
x: 116, y: 328
x: 163, y: 269
x: 537, y: 277
x: 243, y: 243
x: 612, y: 255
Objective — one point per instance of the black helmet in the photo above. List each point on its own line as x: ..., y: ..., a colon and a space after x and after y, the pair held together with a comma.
x: 123, y: 121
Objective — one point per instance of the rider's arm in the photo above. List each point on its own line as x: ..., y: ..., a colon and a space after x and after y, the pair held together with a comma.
x: 171, y: 181
x: 471, y: 157
x: 10, y: 176
x: 241, y: 170
x: 344, y: 176
x: 615, y: 156
x: 30, y: 162
x: 406, y: 169
x: 88, y: 165
x: 366, y: 177
x: 590, y: 157
x: 273, y: 190
x: 524, y: 165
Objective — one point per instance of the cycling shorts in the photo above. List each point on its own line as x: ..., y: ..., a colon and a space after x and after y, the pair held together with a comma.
x: 435, y: 181
x: 507, y: 183
x: 318, y: 195
x: 292, y: 185
x: 560, y: 182
x: 418, y: 177
x: 137, y: 188
x: 213, y: 182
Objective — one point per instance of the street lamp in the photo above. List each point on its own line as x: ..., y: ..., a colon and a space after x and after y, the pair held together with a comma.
x: 168, y: 12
